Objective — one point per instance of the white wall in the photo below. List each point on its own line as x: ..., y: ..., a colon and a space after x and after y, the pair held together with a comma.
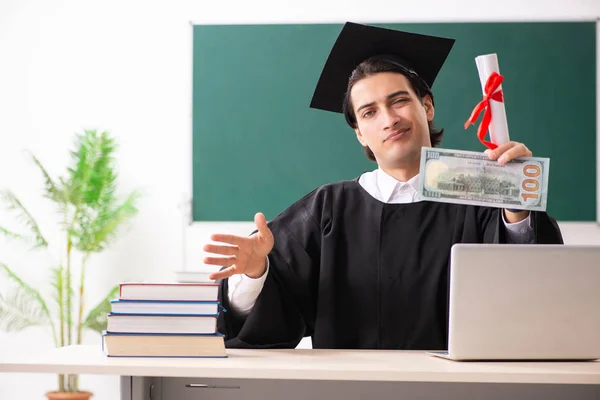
x: 125, y: 66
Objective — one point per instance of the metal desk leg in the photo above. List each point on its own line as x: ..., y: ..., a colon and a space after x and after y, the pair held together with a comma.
x: 140, y: 388
x: 125, y: 385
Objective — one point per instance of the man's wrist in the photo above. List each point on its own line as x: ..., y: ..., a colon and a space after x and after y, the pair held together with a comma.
x: 513, y: 215
x: 255, y: 272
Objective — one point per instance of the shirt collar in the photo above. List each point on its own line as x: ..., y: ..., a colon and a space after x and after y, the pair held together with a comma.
x: 387, y: 184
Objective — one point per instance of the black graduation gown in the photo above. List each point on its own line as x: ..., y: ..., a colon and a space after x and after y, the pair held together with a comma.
x: 356, y: 273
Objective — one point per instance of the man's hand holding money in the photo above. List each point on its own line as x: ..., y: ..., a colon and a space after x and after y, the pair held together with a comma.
x: 508, y: 151
x: 503, y: 154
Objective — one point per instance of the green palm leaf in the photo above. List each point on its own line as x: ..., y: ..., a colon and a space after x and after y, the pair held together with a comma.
x: 102, y: 181
x: 96, y: 319
x: 19, y: 311
x: 98, y: 211
x: 53, y: 191
x: 78, y: 175
x: 13, y: 204
x: 102, y: 230
x: 12, y: 235
x: 93, y: 173
x: 23, y: 306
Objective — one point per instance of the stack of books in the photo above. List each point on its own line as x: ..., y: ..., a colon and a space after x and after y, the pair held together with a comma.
x: 164, y: 320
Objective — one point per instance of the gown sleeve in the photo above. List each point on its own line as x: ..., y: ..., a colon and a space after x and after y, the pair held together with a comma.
x: 284, y: 310
x: 545, y: 228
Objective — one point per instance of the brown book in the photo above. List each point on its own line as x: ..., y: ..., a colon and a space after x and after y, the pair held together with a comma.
x: 157, y: 345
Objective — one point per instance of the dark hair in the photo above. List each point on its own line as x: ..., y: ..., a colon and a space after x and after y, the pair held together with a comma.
x: 373, y: 66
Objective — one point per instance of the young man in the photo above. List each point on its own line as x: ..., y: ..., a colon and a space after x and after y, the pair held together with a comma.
x: 364, y: 263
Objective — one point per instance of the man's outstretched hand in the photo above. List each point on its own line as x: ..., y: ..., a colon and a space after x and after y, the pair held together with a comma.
x: 244, y: 254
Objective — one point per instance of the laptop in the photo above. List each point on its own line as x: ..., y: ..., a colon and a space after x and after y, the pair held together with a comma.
x: 524, y: 302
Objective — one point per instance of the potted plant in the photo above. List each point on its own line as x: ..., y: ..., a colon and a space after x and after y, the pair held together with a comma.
x: 89, y: 215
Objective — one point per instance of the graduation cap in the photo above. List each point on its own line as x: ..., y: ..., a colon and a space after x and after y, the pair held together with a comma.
x: 418, y: 54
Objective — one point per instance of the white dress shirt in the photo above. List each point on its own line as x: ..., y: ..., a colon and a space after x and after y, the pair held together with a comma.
x: 243, y: 290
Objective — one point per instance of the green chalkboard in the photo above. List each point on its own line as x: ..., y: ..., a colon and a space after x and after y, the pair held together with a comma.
x: 257, y: 146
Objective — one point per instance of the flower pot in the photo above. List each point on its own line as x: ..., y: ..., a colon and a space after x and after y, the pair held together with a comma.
x: 69, y: 395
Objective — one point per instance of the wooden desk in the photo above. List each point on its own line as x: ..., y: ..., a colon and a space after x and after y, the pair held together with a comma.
x: 301, y: 374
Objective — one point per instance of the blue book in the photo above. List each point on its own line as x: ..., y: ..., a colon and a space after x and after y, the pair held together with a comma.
x: 158, y: 323
x: 164, y: 307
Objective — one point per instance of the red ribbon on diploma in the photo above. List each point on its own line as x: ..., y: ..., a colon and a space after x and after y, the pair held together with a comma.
x: 493, y: 82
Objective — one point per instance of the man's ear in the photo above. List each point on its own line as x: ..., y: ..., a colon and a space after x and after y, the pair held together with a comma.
x: 429, y: 109
x: 360, y: 137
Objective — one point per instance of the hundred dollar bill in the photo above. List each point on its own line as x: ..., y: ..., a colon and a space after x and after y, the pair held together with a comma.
x: 466, y: 177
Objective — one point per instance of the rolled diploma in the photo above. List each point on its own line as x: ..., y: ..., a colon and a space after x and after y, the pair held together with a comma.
x: 486, y: 64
